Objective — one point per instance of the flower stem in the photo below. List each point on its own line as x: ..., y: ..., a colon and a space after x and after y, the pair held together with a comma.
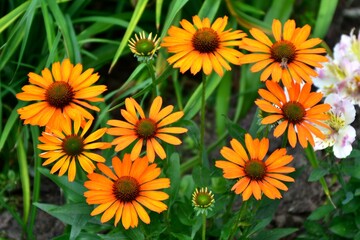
x: 238, y: 220
x: 153, y: 78
x: 203, y: 232
x: 310, y: 153
x: 202, y: 121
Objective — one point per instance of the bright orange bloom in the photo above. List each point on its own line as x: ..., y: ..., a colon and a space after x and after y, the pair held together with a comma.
x: 146, y: 130
x: 64, y: 92
x: 298, y: 112
x: 203, y: 46
x: 255, y: 175
x: 124, y: 190
x: 289, y: 57
x: 69, y: 146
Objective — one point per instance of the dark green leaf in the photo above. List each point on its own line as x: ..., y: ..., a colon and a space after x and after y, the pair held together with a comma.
x: 317, y: 173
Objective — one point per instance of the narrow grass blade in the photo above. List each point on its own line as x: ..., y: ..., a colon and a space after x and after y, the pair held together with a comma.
x: 324, y: 17
x: 24, y: 177
x: 139, y: 9
x: 279, y: 10
x: 9, y: 18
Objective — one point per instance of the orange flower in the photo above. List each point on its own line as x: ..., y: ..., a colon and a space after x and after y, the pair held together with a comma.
x: 203, y: 46
x: 62, y: 93
x: 146, y: 130
x: 123, y: 191
x: 255, y: 175
x: 289, y: 57
x: 69, y: 146
x: 297, y: 111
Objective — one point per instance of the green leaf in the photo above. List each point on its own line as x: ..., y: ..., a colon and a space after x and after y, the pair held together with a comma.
x: 201, y: 176
x: 175, y: 7
x: 317, y: 173
x: 139, y: 9
x: 74, y: 214
x: 9, y: 18
x: 235, y: 130
x: 173, y: 172
x: 192, y: 107
x: 10, y: 124
x: 344, y: 227
x: 324, y: 17
x: 73, y: 190
x: 222, y: 103
x: 209, y: 9
x: 275, y: 234
x: 321, y: 212
x: 279, y: 9
x: 65, y: 25
x: 181, y: 236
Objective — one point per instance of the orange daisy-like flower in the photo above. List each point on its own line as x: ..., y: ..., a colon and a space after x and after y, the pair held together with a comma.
x: 146, y: 130
x: 69, y: 146
x: 64, y: 92
x: 255, y: 175
x: 124, y: 193
x: 291, y: 56
x: 296, y: 111
x: 203, y: 46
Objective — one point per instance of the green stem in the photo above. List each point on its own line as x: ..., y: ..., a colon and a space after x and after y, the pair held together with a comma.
x: 239, y: 218
x: 25, y: 181
x: 203, y: 232
x: 177, y: 88
x: 310, y: 153
x: 37, y: 179
x: 194, y: 161
x: 202, y: 121
x: 150, y: 68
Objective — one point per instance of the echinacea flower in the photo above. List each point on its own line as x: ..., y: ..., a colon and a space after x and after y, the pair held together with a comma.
x: 203, y: 46
x: 122, y: 191
x: 203, y: 200
x: 290, y: 56
x: 341, y: 134
x: 69, y: 146
x: 296, y: 111
x: 145, y: 130
x: 255, y: 175
x: 64, y: 92
x: 144, y: 48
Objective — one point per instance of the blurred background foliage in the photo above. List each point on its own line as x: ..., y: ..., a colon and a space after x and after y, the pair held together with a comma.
x: 34, y: 34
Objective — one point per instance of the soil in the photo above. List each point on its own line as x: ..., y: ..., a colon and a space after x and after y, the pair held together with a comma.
x: 296, y: 204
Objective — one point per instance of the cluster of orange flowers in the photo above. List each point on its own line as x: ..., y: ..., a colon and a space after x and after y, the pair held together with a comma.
x: 65, y: 93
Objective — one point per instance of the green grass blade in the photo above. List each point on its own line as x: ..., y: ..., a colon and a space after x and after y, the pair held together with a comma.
x: 37, y: 177
x: 222, y: 103
x: 9, y: 18
x: 139, y: 9
x: 192, y: 107
x: 324, y: 17
x: 10, y: 124
x: 174, y: 8
x: 209, y: 9
x: 24, y: 177
x: 279, y: 9
x: 49, y: 23
x: 158, y: 8
x: 66, y: 28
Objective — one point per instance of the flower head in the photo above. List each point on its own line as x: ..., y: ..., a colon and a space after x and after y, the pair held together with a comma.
x: 290, y: 56
x: 341, y: 74
x: 203, y: 46
x: 122, y: 192
x: 69, y: 146
x: 144, y: 49
x: 298, y: 112
x: 145, y: 130
x: 64, y: 92
x: 340, y: 135
x: 203, y: 200
x: 255, y: 175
